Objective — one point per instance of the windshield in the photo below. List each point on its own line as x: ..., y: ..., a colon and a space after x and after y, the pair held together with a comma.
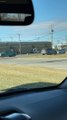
x: 35, y: 56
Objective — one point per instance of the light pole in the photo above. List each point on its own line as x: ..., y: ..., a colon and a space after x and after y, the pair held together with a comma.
x: 20, y: 50
x: 52, y: 33
x: 66, y: 40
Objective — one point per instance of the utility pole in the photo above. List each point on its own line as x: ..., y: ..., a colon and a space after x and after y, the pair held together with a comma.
x: 66, y: 40
x: 0, y: 40
x: 58, y: 41
x: 52, y: 33
x: 19, y: 44
x: 11, y: 39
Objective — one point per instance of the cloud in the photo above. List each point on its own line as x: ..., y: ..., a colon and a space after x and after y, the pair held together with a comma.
x: 58, y: 25
x: 43, y: 25
x: 34, y: 30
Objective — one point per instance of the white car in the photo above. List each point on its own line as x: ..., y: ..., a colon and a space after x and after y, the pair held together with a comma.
x: 43, y: 52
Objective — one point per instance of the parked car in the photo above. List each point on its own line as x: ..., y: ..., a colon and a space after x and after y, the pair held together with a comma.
x: 62, y: 51
x: 51, y: 52
x: 43, y: 52
x: 8, y: 54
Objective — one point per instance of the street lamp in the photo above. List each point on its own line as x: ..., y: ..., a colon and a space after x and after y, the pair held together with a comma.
x: 20, y: 47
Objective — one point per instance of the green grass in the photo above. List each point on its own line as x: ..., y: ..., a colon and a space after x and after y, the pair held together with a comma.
x: 29, y: 76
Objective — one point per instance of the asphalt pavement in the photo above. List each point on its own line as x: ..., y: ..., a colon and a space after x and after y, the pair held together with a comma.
x: 58, y: 63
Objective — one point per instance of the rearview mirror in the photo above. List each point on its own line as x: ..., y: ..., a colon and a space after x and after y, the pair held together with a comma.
x: 16, y: 12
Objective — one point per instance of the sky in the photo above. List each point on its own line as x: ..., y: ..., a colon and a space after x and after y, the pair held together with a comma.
x: 47, y: 13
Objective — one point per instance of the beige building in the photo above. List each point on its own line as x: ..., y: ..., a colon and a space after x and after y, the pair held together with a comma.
x: 24, y: 47
x: 62, y: 46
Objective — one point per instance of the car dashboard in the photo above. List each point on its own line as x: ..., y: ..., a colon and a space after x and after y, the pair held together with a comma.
x: 43, y: 105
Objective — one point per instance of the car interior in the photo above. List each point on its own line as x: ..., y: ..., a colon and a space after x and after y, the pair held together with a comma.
x: 39, y: 103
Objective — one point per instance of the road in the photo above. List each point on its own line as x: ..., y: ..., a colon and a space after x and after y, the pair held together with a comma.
x: 58, y: 63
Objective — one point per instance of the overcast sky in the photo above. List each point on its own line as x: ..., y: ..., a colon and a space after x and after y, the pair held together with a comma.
x: 47, y: 12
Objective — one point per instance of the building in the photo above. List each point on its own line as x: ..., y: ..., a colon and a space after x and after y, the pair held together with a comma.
x: 62, y: 46
x: 24, y: 47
